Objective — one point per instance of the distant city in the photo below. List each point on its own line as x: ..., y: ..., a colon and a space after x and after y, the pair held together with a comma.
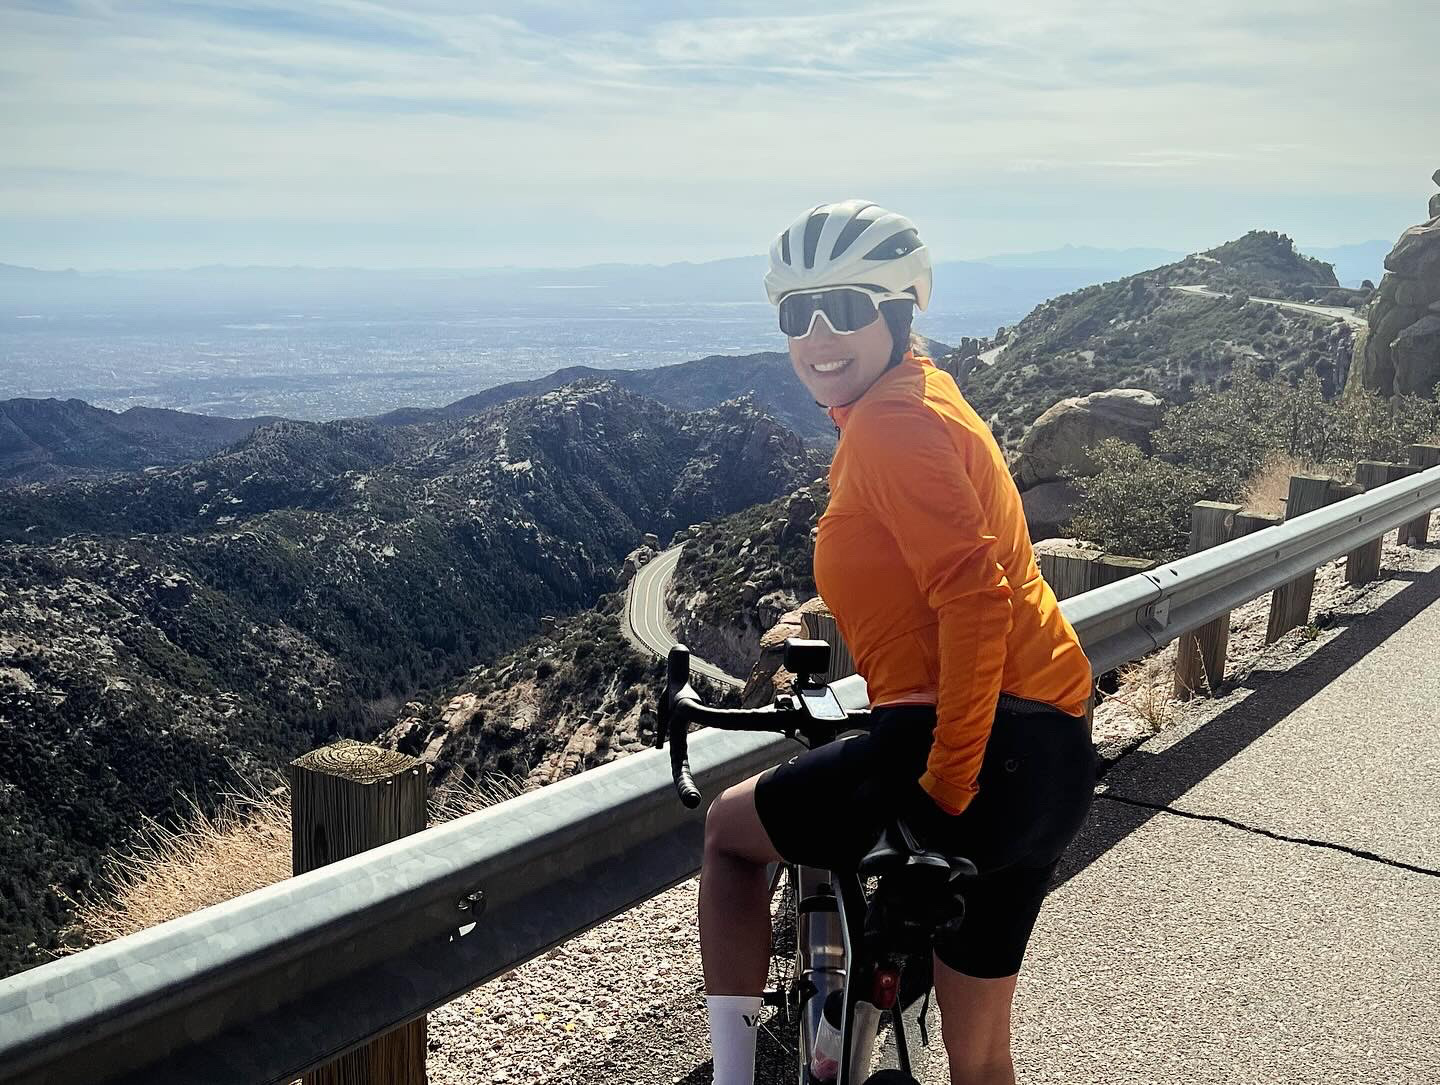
x: 331, y: 343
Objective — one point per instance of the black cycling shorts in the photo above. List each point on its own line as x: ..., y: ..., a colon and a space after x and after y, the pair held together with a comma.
x: 825, y: 807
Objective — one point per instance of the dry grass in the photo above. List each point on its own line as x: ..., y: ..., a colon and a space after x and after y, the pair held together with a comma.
x: 1146, y: 689
x: 245, y: 845
x: 1265, y: 494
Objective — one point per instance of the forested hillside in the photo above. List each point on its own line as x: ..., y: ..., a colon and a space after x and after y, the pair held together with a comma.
x: 306, y: 584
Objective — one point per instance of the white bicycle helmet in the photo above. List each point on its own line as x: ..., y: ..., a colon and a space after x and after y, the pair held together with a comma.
x: 853, y: 243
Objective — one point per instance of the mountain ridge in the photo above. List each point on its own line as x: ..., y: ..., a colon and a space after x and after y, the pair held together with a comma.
x: 162, y: 631
x: 1138, y: 332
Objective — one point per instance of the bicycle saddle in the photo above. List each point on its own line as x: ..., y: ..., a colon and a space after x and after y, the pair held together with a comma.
x: 897, y: 849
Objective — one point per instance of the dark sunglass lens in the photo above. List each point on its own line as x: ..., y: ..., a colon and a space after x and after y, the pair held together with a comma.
x: 848, y: 310
x: 795, y: 313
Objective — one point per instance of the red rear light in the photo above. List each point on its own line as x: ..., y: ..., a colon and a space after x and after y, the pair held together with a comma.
x: 887, y: 987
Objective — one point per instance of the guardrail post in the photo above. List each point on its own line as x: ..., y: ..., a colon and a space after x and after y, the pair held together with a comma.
x: 822, y: 626
x: 1112, y: 567
x: 1394, y: 472
x: 1362, y: 564
x: 1069, y: 570
x: 1247, y: 523
x: 1290, y: 605
x: 344, y: 799
x: 1422, y: 457
x: 1107, y: 569
x: 1200, y: 656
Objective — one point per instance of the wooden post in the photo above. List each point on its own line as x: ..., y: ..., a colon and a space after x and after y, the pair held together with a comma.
x: 1068, y: 570
x: 1200, y: 656
x: 820, y: 626
x: 1107, y: 569
x: 1393, y: 473
x: 1112, y: 567
x: 345, y: 799
x: 1247, y: 523
x: 1362, y: 564
x: 1422, y: 457
x: 1290, y: 604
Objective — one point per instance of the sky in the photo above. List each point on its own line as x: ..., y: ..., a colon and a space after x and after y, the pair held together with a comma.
x: 159, y: 133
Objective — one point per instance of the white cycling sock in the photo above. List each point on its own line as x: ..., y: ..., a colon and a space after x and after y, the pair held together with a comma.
x: 734, y: 1022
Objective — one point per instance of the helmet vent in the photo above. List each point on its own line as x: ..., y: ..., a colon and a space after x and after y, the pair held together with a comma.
x: 895, y: 246
x: 785, y: 246
x: 854, y: 228
x: 812, y: 237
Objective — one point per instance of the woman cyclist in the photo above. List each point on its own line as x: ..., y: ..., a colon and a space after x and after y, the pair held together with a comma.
x: 978, y: 685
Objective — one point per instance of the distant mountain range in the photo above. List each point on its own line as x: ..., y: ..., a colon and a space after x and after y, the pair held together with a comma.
x: 51, y: 439
x: 767, y: 378
x: 995, y: 280
x: 1352, y: 263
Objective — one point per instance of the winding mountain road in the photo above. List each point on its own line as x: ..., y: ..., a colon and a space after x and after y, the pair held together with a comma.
x: 647, y: 623
x: 1339, y: 312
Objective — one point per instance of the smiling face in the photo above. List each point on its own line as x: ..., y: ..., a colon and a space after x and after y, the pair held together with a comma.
x: 838, y: 369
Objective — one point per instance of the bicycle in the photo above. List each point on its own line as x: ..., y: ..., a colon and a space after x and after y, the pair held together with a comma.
x: 862, y: 936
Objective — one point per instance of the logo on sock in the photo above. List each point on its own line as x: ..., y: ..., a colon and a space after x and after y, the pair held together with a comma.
x: 751, y: 1020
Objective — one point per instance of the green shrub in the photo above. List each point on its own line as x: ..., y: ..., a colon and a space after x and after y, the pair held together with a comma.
x: 1136, y: 505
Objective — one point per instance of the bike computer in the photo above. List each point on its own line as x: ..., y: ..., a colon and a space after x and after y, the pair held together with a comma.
x: 821, y: 703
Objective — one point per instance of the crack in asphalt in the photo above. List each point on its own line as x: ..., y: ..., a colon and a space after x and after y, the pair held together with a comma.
x: 1359, y: 853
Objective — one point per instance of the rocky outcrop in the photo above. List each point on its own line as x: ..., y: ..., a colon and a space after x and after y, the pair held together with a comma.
x: 730, y: 645
x: 1400, y: 355
x: 960, y: 361
x: 768, y: 676
x: 1059, y: 439
x: 636, y: 559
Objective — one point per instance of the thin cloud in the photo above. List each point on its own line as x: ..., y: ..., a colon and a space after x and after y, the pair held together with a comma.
x: 698, y: 126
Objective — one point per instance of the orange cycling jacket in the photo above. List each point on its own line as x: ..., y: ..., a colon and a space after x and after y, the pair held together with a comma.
x: 924, y: 558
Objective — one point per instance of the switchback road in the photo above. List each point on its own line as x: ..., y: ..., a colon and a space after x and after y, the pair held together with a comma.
x: 647, y: 621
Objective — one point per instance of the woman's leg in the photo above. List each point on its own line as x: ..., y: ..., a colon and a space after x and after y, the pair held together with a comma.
x: 735, y: 895
x: 735, y: 930
x: 975, y: 1022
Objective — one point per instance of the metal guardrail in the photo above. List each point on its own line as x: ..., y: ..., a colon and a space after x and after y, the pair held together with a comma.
x: 284, y: 979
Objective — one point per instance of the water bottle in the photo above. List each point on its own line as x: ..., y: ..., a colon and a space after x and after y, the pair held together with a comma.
x: 825, y: 1058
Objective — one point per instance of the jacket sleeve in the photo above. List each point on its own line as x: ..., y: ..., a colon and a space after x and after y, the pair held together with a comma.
x: 916, y: 478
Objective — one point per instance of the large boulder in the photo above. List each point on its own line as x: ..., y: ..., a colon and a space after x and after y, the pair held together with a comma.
x: 1401, y: 353
x: 1416, y: 353
x: 1059, y: 439
x: 1417, y: 253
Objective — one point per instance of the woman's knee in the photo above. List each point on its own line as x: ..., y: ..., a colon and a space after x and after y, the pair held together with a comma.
x: 733, y: 829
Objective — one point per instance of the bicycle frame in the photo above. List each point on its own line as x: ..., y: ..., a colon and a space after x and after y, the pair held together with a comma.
x: 829, y: 947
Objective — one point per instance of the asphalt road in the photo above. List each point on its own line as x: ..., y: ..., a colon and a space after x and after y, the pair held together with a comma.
x: 1339, y: 312
x: 647, y: 621
x: 1256, y: 897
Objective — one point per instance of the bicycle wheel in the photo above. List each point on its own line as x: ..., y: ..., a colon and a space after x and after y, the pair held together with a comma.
x: 778, y: 1048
